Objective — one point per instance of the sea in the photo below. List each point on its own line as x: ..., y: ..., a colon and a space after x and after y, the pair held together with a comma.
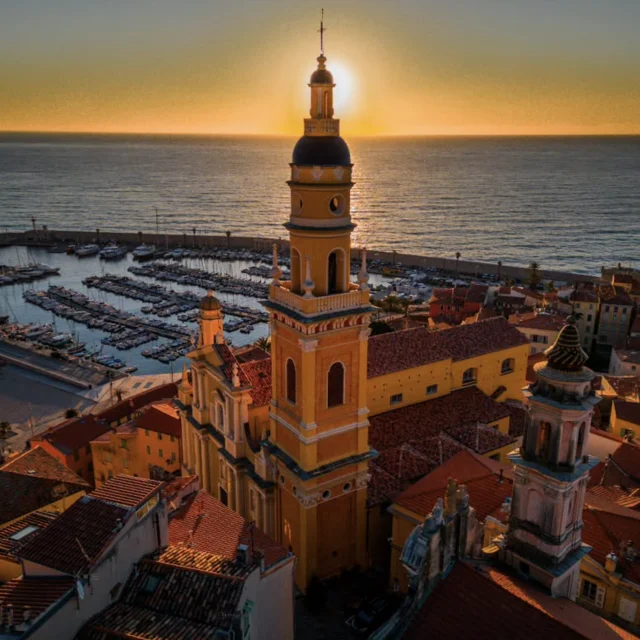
x: 568, y: 203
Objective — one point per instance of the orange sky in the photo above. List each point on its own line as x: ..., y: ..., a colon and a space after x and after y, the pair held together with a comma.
x: 404, y: 67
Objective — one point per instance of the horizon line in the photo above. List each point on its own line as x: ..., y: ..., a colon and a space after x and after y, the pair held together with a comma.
x: 293, y: 135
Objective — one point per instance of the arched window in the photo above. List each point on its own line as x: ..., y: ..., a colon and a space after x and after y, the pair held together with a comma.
x: 507, y: 365
x: 470, y: 376
x: 332, y: 284
x: 326, y: 104
x: 543, y: 440
x: 291, y: 381
x: 335, y: 384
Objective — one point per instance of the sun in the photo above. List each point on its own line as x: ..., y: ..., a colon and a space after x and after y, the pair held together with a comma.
x: 345, y: 92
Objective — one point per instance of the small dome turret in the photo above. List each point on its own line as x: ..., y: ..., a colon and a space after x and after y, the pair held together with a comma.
x: 210, y: 303
x: 566, y: 354
x: 321, y: 75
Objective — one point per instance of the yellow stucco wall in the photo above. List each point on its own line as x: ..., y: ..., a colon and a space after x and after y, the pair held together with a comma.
x: 620, y: 427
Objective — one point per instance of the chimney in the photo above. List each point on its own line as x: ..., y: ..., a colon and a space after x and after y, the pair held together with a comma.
x: 242, y: 555
x: 611, y: 562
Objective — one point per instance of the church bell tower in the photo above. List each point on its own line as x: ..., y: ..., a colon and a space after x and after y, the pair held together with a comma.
x: 319, y: 320
x: 544, y: 540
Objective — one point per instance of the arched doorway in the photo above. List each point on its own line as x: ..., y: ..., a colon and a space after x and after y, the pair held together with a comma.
x: 332, y: 283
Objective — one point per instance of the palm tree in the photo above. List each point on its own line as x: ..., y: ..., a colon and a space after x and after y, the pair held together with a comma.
x: 194, y: 237
x: 264, y: 344
x: 534, y: 275
x: 499, y: 269
x: 228, y: 239
x: 458, y: 254
x: 140, y: 237
x: 97, y: 236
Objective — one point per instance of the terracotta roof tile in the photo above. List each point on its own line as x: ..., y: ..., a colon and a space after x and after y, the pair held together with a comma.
x: 34, y: 480
x: 259, y: 374
x: 164, y: 602
x: 540, y: 321
x: 162, y: 417
x: 463, y: 408
x: 479, y: 474
x: 36, y: 593
x: 250, y: 353
x: 624, y: 386
x: 127, y: 491
x: 617, y: 495
x: 73, y: 434
x: 610, y: 294
x: 205, y: 524
x: 401, y: 350
x: 77, y: 538
x: 30, y: 525
x: 627, y: 457
x: 228, y: 360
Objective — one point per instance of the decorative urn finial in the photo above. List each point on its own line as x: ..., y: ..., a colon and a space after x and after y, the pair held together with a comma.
x: 308, y: 285
x: 363, y: 276
x: 276, y: 272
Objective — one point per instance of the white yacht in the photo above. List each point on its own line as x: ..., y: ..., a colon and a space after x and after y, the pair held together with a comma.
x: 87, y: 250
x: 113, y: 252
x: 144, y: 251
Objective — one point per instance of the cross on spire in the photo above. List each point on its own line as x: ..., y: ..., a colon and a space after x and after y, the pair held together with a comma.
x: 321, y: 32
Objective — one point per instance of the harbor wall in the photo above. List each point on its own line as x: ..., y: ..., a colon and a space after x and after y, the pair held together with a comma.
x: 47, y: 237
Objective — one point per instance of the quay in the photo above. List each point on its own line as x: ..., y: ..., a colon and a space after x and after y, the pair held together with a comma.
x: 470, y: 268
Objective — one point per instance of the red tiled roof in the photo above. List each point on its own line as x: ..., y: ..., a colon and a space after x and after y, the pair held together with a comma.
x: 161, y: 417
x: 486, y: 604
x: 401, y: 350
x: 628, y: 411
x: 538, y: 295
x: 540, y: 321
x: 36, y: 593
x: 228, y: 360
x: 77, y: 538
x: 259, y: 374
x: 127, y: 491
x: 532, y: 360
x: 447, y: 414
x: 466, y: 604
x: 606, y: 531
x: 629, y: 355
x: 624, y: 385
x: 477, y: 293
x: 480, y: 475
x: 610, y: 294
x: 128, y: 406
x: 583, y: 295
x: 250, y: 354
x: 616, y: 495
x: 73, y: 434
x: 36, y: 522
x: 627, y: 457
x: 207, y: 525
x: 518, y: 421
x: 34, y: 480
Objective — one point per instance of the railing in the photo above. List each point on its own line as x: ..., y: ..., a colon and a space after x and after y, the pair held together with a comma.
x: 323, y: 304
x: 321, y: 127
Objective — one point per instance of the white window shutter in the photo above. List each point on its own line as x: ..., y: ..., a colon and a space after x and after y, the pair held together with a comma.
x: 627, y: 609
x: 600, y: 593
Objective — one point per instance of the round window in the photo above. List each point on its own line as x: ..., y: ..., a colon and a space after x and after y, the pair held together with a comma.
x: 296, y: 203
x: 281, y: 479
x: 295, y: 491
x: 326, y: 494
x: 337, y: 205
x: 347, y: 487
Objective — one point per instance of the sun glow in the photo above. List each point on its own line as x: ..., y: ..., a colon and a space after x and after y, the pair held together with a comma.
x: 344, y: 94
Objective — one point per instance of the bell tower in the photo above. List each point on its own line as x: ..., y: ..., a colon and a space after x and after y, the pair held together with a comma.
x: 544, y: 539
x: 318, y: 440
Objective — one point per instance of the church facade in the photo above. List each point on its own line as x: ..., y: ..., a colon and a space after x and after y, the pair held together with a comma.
x: 284, y: 438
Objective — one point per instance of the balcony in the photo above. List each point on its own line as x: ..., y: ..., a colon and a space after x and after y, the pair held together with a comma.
x: 323, y: 304
x: 313, y: 127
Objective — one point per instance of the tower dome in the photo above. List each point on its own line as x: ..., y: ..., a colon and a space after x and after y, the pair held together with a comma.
x: 321, y: 75
x: 566, y: 354
x: 323, y: 151
x: 210, y: 303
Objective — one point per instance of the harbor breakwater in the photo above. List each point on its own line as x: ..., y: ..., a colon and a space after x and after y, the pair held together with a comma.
x: 50, y: 237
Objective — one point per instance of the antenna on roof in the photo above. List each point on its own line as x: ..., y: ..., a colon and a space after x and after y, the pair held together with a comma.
x: 321, y: 32
x: 84, y: 553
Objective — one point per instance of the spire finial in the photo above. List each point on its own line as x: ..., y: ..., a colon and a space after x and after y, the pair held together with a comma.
x: 321, y: 31
x: 363, y: 276
x: 276, y: 272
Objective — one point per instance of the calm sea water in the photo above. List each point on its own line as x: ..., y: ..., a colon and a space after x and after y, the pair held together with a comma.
x: 569, y: 203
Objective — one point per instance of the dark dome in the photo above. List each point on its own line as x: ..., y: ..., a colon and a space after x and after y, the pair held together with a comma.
x: 566, y: 354
x: 321, y: 76
x: 210, y: 303
x: 321, y: 150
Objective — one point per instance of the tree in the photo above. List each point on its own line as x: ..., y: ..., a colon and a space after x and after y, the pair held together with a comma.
x: 228, y: 239
x: 534, y: 278
x: 140, y: 237
x: 499, y: 269
x: 458, y: 254
x: 551, y: 287
x: 194, y: 237
x: 378, y: 327
x: 264, y: 344
x: 70, y: 413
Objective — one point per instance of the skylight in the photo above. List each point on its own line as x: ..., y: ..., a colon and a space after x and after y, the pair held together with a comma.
x: 23, y: 533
